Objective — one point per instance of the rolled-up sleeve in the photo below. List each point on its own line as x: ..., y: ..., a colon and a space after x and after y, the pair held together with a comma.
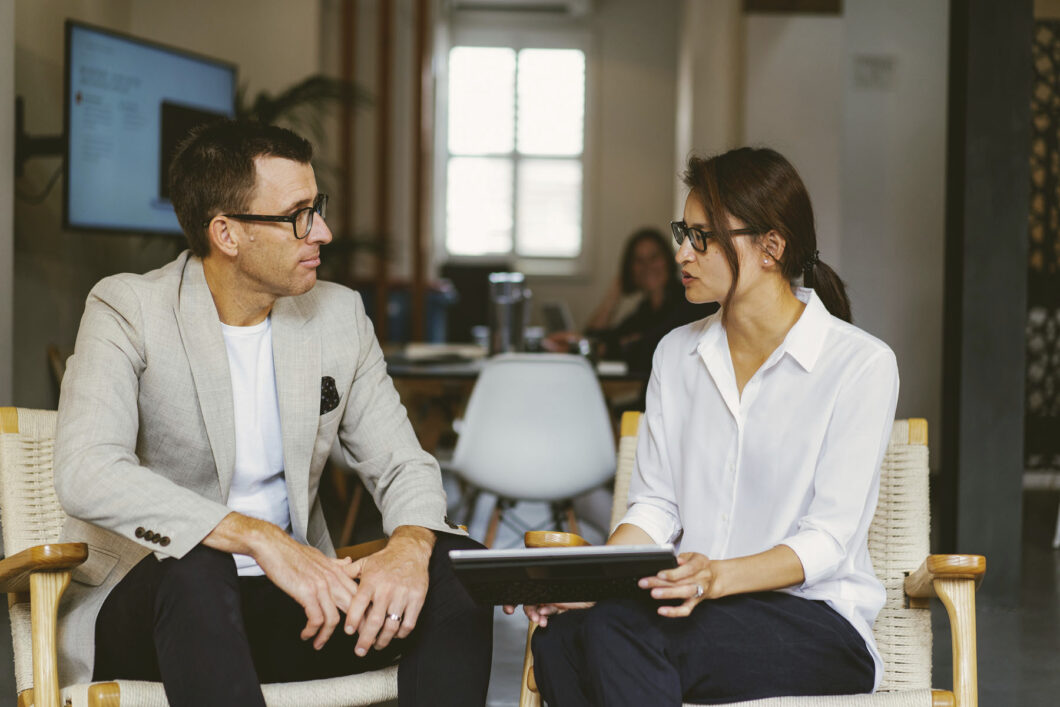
x: 652, y: 500
x: 845, y: 486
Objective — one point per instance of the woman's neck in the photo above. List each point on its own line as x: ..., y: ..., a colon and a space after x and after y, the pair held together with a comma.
x: 756, y: 322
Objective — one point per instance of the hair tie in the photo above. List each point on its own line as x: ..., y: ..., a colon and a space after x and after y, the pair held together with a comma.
x: 812, y: 260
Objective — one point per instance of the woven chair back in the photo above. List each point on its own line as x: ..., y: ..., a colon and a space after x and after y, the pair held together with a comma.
x: 29, y: 508
x: 898, y: 543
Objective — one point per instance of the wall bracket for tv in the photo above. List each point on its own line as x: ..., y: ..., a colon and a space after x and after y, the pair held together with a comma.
x: 27, y: 146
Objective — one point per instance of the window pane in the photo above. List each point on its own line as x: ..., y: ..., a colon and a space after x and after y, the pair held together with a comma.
x: 551, y: 101
x: 478, y: 206
x: 481, y: 100
x: 550, y: 208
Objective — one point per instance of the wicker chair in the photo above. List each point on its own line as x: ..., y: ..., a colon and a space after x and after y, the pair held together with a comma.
x: 36, y: 571
x: 898, y: 544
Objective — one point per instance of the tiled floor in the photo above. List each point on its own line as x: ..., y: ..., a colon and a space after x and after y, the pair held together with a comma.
x: 1019, y: 644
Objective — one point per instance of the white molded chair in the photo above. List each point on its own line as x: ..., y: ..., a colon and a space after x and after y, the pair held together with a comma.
x: 36, y: 571
x: 536, y: 428
x: 898, y: 545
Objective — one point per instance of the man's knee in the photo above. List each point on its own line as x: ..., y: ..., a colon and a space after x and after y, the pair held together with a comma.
x: 202, y: 572
x: 446, y: 595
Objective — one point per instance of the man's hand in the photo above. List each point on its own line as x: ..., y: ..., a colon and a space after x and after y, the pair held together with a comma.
x: 322, y: 585
x: 393, y: 587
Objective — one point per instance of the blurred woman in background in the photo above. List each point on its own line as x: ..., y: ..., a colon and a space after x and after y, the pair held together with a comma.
x: 648, y: 269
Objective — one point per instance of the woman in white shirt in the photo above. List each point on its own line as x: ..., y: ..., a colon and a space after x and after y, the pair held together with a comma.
x: 758, y: 456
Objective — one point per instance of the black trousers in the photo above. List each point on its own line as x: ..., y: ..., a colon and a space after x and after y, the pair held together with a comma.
x: 211, y: 637
x: 745, y: 647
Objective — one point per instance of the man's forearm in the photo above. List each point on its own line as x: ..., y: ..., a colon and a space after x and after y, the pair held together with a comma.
x: 238, y: 533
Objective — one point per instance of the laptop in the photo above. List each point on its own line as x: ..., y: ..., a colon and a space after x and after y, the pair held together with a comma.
x: 564, y: 574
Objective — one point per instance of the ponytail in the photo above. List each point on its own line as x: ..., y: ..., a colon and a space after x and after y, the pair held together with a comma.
x: 829, y: 288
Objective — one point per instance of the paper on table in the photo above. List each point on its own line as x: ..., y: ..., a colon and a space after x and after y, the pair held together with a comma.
x: 422, y: 351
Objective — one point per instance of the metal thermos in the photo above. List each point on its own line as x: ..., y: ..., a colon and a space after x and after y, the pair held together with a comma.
x: 509, y: 311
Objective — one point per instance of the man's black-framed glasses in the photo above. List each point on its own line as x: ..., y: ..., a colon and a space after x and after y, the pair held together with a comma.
x: 301, y: 221
x: 699, y: 237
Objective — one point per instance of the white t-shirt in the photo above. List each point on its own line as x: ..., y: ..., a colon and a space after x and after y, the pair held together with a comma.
x: 794, y: 460
x: 258, y: 488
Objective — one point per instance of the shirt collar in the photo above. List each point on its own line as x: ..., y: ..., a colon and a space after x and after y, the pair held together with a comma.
x: 803, y: 343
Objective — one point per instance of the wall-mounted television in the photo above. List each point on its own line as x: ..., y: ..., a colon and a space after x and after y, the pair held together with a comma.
x: 128, y: 103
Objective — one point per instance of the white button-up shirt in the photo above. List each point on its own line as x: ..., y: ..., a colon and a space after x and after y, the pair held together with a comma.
x: 794, y: 460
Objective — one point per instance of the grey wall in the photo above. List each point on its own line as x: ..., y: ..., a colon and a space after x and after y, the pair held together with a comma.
x: 988, y: 200
x: 793, y: 102
x: 893, y: 188
x: 54, y: 269
x: 7, y: 218
x: 870, y: 147
x: 710, y: 83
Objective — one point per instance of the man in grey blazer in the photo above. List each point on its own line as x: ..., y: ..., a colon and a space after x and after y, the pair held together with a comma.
x: 195, y: 419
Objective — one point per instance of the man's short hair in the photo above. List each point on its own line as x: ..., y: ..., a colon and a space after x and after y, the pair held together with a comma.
x: 213, y: 171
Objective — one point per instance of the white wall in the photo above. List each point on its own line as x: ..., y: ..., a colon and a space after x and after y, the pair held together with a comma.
x: 274, y: 42
x: 858, y: 104
x: 7, y: 215
x: 635, y: 65
x: 710, y: 83
x: 793, y: 100
x: 893, y: 186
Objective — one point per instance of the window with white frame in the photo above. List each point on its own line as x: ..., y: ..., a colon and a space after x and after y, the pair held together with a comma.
x: 514, y: 151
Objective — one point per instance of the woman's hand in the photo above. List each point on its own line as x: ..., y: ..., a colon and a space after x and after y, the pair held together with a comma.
x: 539, y: 613
x: 693, y: 580
x: 561, y: 341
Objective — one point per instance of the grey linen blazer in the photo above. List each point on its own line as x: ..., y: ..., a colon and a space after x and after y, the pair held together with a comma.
x: 146, y: 440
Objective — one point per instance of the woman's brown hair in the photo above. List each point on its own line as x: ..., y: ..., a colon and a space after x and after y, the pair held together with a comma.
x: 762, y: 189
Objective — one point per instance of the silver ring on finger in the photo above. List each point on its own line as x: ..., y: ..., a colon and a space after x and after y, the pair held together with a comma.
x: 699, y: 591
x: 394, y: 617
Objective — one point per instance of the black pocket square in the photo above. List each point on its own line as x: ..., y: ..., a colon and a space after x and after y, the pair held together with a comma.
x: 329, y: 395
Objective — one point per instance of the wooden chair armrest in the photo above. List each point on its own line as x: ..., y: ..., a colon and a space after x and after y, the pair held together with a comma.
x: 16, y: 570
x: 552, y: 538
x: 921, y: 584
x: 954, y: 579
x: 356, y: 552
x: 43, y: 571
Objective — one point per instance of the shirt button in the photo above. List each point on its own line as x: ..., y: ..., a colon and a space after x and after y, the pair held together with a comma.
x: 140, y: 532
x: 732, y: 468
x: 725, y: 517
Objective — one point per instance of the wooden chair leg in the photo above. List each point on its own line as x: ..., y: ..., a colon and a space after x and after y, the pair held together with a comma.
x: 572, y: 520
x: 958, y: 596
x: 351, y: 514
x: 528, y: 694
x: 45, y: 590
x: 495, y: 521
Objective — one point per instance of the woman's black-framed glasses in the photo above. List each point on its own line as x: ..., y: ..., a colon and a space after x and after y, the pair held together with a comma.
x: 699, y: 237
x: 301, y: 221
